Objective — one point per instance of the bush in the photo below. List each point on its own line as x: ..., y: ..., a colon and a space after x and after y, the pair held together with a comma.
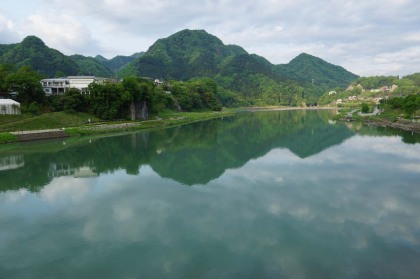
x: 365, y: 108
x: 7, y: 138
x: 33, y: 108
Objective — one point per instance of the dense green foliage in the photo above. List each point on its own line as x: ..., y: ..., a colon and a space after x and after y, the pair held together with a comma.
x: 365, y: 108
x: 406, y: 85
x: 196, y: 94
x: 244, y: 79
x: 33, y: 52
x: 185, y: 55
x: 26, y: 83
x: 376, y: 86
x: 51, y: 63
x: 118, y: 62
x: 315, y: 76
x: 89, y: 66
x: 313, y: 71
x: 132, y: 96
x: 409, y: 104
x: 375, y: 81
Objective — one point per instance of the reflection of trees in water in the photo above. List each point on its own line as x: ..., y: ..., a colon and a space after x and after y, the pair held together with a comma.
x: 234, y: 141
x: 190, y: 154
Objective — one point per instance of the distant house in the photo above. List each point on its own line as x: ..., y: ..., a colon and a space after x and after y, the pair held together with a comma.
x: 385, y: 89
x: 9, y: 106
x: 57, y: 86
x: 393, y: 88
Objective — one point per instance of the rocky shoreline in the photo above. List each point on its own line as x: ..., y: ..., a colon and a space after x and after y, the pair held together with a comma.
x: 402, y: 124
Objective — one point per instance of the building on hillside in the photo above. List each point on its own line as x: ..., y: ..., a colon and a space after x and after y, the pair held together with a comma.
x: 9, y: 106
x: 57, y: 86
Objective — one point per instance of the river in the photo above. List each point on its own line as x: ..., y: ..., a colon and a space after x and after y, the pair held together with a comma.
x: 279, y: 194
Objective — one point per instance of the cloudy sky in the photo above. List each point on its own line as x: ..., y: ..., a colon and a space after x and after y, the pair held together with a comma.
x: 375, y: 37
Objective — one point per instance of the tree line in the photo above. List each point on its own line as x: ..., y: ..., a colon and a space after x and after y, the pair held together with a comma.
x: 408, y: 104
x: 133, y: 97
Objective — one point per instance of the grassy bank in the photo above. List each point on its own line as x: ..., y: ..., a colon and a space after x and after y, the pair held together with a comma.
x: 77, y: 124
x: 7, y: 138
x: 54, y: 120
x: 164, y: 120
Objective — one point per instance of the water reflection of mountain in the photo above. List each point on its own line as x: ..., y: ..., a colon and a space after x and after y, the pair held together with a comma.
x: 190, y: 154
x: 208, y: 151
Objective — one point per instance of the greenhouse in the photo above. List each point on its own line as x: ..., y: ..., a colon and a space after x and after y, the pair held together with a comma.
x: 9, y: 106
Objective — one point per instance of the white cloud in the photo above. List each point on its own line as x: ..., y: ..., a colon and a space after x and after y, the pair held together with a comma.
x: 62, y: 32
x: 368, y: 38
x: 8, y: 33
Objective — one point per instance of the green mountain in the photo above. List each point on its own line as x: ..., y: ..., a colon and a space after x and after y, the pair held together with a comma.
x: 89, y: 66
x: 49, y: 62
x: 33, y: 52
x: 184, y: 55
x: 118, y: 62
x: 249, y: 78
x: 308, y: 69
x: 243, y: 78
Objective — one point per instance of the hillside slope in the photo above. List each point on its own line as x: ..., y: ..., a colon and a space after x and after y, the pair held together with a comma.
x: 196, y: 53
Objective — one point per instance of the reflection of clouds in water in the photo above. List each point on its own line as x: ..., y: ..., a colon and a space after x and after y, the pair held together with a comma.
x: 410, y: 167
x: 66, y: 188
x: 335, y: 193
x: 14, y: 196
x: 323, y: 214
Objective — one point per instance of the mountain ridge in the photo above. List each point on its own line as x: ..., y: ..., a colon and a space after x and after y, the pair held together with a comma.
x: 245, y: 79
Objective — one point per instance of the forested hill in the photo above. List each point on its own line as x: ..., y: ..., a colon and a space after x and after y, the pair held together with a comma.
x: 33, y: 52
x: 118, y: 62
x: 243, y: 78
x: 184, y: 55
x: 309, y: 69
x: 49, y: 62
x: 254, y: 80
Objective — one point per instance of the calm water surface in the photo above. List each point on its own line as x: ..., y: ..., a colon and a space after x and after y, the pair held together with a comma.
x: 287, y: 194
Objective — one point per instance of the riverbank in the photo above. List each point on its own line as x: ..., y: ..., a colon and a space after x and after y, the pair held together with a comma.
x: 163, y: 121
x: 47, y: 128
x: 283, y: 108
x: 377, y: 119
x: 401, y: 124
x: 174, y: 119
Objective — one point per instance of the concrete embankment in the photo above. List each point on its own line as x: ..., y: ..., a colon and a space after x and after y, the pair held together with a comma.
x: 40, y: 134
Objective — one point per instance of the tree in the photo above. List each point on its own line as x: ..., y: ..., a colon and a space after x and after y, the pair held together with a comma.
x: 109, y: 101
x: 365, y: 108
x: 26, y: 82
x: 72, y: 99
x: 5, y: 70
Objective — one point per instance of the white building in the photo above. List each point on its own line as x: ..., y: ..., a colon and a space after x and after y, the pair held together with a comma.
x: 56, y: 86
x: 9, y: 106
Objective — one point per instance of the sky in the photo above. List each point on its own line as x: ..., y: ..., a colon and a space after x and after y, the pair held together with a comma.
x: 368, y: 38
